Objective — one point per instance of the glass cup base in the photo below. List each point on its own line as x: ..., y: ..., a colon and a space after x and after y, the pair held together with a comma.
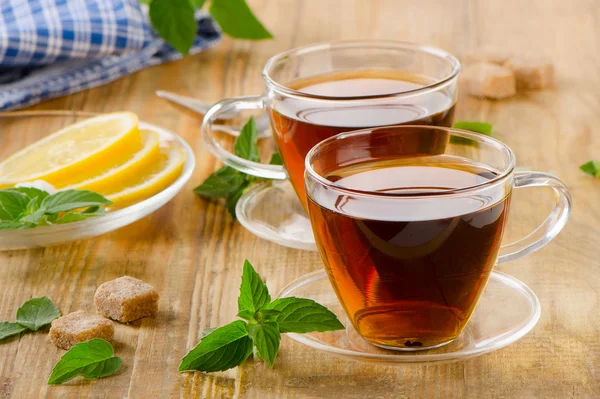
x: 507, y: 310
x: 405, y: 349
x: 272, y: 211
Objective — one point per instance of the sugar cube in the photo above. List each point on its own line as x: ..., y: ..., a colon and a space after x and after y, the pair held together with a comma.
x: 126, y: 299
x: 79, y: 326
x: 531, y: 73
x: 483, y: 79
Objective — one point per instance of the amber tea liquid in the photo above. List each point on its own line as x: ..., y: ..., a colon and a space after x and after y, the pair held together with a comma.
x: 409, y: 278
x: 300, y: 124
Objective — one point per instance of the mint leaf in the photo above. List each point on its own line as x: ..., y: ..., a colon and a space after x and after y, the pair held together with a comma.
x: 267, y: 315
x: 266, y: 338
x: 12, y: 225
x: 245, y: 144
x: 233, y: 198
x: 34, y: 218
x: 254, y: 294
x: 221, y: 183
x: 33, y: 213
x: 8, y: 329
x: 70, y: 217
x: 301, y: 315
x: 247, y: 315
x: 206, y: 331
x: 12, y: 204
x: 276, y: 159
x: 92, y: 360
x: 224, y: 348
x: 175, y: 22
x: 591, y: 167
x: 477, y: 127
x: 30, y: 192
x: 68, y: 200
x: 237, y: 20
x: 36, y: 313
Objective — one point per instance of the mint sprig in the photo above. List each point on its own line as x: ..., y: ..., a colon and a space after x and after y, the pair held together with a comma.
x: 92, y: 360
x: 175, y: 22
x: 229, y: 183
x: 26, y: 207
x: 31, y: 316
x: 230, y: 345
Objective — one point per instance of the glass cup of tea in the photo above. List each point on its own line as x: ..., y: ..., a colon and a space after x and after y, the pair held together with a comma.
x: 409, y: 223
x: 318, y: 91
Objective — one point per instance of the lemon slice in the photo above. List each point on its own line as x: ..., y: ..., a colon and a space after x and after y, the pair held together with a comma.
x: 156, y: 179
x: 135, y: 166
x: 76, y: 152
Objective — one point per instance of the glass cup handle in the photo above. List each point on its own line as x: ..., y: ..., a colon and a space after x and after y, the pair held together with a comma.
x: 556, y: 220
x: 236, y: 105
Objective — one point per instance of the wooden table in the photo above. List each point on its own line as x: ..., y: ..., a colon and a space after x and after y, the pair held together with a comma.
x: 193, y: 252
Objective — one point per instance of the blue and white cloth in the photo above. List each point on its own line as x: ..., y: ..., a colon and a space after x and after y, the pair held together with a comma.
x: 51, y: 48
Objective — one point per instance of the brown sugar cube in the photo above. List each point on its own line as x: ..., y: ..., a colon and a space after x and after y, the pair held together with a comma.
x: 531, y: 73
x: 126, y: 299
x: 79, y: 326
x: 488, y: 53
x: 489, y: 80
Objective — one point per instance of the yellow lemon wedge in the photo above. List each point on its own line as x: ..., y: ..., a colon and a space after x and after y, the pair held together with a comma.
x: 76, y: 152
x: 135, y: 166
x: 155, y: 179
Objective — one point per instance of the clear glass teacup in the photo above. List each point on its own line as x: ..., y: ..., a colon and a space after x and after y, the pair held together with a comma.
x: 409, y: 222
x: 317, y: 91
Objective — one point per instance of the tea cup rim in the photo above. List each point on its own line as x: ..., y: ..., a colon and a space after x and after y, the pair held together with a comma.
x: 435, y: 51
x: 508, y: 170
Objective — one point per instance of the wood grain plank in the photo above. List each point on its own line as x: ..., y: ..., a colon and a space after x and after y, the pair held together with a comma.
x: 192, y: 252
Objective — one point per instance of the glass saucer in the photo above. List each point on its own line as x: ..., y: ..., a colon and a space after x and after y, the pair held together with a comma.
x: 21, y: 128
x: 507, y: 310
x: 272, y: 211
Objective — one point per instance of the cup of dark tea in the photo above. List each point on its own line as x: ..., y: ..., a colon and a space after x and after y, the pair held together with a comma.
x: 318, y: 91
x: 409, y: 223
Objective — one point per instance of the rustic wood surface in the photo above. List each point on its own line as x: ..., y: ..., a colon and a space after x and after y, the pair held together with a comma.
x: 192, y: 252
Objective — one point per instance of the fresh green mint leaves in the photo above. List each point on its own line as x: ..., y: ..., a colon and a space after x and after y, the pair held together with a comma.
x: 175, y: 22
x: 230, y: 345
x: 92, y: 360
x: 27, y: 207
x: 237, y: 20
x: 229, y: 183
x: 31, y: 316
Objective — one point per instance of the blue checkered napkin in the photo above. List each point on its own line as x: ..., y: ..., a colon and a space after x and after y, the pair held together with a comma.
x: 50, y: 48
